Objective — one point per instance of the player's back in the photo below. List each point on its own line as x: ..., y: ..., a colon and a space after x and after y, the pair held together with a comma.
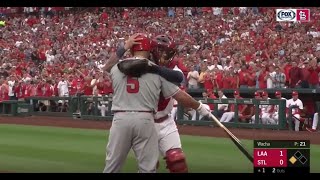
x: 136, y: 94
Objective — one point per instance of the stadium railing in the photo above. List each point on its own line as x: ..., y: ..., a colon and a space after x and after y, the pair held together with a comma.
x: 235, y: 122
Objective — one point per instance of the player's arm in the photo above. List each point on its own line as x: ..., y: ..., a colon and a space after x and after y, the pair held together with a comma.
x: 115, y: 57
x: 170, y: 90
x: 168, y: 74
x: 187, y: 101
x: 138, y: 67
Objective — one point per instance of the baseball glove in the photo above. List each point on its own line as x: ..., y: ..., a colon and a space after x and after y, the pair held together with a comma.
x: 135, y: 67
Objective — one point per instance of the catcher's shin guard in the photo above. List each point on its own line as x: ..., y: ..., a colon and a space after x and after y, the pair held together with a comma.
x: 176, y: 161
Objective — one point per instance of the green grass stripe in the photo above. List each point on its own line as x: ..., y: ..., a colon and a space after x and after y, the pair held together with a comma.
x: 51, y: 149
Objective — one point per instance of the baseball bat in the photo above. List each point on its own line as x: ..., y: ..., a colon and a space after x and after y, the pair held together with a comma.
x: 234, y: 139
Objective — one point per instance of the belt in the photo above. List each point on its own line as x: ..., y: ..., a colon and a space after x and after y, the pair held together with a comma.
x: 133, y: 111
x: 175, y: 105
x: 160, y: 120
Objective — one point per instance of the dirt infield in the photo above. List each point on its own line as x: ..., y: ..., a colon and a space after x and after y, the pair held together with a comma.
x: 187, y: 130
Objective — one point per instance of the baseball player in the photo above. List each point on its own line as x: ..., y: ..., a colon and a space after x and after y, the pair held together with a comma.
x: 314, y: 123
x: 134, y: 104
x: 256, y: 96
x: 228, y: 116
x: 295, y: 101
x: 163, y: 50
x: 275, y: 113
x: 140, y: 95
x: 266, y: 110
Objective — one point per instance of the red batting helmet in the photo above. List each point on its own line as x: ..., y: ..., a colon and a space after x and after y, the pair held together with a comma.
x: 163, y: 44
x: 144, y: 46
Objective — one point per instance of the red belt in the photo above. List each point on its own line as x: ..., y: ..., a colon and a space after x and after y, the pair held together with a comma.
x: 160, y: 120
x: 133, y: 111
x: 176, y: 105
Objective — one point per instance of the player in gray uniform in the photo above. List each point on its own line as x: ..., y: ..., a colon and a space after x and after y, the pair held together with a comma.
x: 135, y: 101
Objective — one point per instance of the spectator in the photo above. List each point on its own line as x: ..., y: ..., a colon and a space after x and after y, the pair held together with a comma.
x: 313, y: 79
x: 193, y: 77
x: 279, y: 79
x: 295, y: 76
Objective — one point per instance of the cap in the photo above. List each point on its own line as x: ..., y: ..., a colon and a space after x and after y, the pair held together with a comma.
x: 236, y: 92
x: 278, y: 93
x: 256, y: 93
x: 264, y: 93
x: 294, y: 93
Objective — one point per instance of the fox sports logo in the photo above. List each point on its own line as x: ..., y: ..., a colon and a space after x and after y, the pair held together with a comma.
x: 286, y: 15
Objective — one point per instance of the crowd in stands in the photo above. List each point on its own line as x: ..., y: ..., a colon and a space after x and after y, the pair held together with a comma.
x: 58, y: 51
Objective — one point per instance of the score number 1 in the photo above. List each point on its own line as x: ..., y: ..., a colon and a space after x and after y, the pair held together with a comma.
x: 281, y: 160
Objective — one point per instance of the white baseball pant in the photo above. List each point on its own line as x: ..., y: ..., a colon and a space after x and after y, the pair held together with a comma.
x: 315, y: 120
x: 168, y: 135
x: 174, y: 112
x: 266, y: 118
x: 102, y: 109
x: 227, y: 117
x: 296, y: 121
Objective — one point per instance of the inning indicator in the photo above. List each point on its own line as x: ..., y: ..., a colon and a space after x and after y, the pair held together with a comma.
x: 281, y: 156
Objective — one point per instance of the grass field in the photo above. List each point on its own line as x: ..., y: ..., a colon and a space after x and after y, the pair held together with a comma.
x: 51, y: 149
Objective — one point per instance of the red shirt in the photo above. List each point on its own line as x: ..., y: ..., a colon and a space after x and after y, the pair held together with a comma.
x: 243, y: 80
x: 240, y: 107
x: 286, y: 71
x: 295, y: 75
x: 87, y: 90
x: 208, y: 81
x: 28, y: 90
x: 19, y: 91
x: 44, y: 90
x: 262, y: 81
x: 4, y: 96
x: 313, y: 78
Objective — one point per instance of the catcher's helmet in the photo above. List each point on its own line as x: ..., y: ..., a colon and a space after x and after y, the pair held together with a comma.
x: 163, y: 44
x: 144, y: 46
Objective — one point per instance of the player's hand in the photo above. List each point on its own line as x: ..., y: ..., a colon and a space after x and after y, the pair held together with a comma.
x: 133, y: 40
x: 203, y: 110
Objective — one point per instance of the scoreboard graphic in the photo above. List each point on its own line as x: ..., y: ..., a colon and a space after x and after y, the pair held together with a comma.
x: 281, y: 156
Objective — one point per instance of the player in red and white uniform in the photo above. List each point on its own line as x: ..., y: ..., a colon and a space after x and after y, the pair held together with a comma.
x: 295, y: 101
x: 163, y: 50
x: 253, y: 118
x: 275, y: 113
x: 266, y: 110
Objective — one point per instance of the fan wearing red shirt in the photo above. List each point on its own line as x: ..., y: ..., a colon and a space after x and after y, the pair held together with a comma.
x: 28, y: 89
x: 87, y: 87
x: 295, y: 75
x: 208, y: 80
x: 228, y: 116
x: 19, y: 90
x: 104, y: 86
x: 243, y: 77
x: 314, y: 76
x: 262, y: 78
x: 4, y: 90
x: 226, y: 80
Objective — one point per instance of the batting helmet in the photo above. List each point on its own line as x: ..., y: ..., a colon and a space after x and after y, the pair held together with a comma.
x: 144, y: 46
x: 163, y: 45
